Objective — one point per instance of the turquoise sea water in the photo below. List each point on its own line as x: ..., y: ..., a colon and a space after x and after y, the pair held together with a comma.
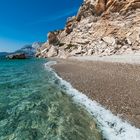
x: 34, y: 106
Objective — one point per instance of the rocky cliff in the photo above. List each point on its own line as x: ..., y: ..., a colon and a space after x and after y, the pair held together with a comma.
x: 101, y: 27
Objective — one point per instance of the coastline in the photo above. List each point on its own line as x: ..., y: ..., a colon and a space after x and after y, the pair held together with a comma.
x: 113, y: 85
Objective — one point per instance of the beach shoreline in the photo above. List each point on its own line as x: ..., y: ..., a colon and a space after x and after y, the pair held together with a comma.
x: 133, y: 59
x: 113, y: 85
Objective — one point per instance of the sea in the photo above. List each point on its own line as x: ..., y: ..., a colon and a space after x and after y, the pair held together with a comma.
x: 34, y: 105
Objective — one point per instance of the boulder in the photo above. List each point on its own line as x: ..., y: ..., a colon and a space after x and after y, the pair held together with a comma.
x: 82, y: 41
x: 63, y: 54
x: 109, y: 40
x: 87, y: 9
x: 70, y: 25
x: 52, y: 38
x: 53, y: 51
x: 78, y: 51
x: 90, y: 52
x: 38, y: 54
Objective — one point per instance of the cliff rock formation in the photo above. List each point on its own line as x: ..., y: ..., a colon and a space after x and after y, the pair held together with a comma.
x: 101, y: 27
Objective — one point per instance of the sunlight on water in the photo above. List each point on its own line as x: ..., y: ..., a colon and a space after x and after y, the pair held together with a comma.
x: 33, y: 106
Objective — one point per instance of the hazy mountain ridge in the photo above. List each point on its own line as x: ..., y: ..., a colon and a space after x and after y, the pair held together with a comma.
x: 29, y: 50
x: 3, y: 53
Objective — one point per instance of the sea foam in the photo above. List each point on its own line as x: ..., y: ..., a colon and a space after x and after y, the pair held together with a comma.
x: 112, y: 127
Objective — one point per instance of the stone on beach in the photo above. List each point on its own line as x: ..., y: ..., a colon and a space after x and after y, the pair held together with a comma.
x: 109, y: 40
x: 53, y: 51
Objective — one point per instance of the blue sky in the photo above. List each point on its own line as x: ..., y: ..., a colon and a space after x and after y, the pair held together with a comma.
x: 26, y: 21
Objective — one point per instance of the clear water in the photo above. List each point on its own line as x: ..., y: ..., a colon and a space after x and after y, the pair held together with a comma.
x: 34, y: 106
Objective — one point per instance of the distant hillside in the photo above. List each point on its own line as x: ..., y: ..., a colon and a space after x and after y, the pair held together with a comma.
x: 3, y: 54
x: 28, y: 50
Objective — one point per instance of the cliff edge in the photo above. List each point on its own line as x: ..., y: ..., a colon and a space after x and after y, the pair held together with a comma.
x: 101, y: 27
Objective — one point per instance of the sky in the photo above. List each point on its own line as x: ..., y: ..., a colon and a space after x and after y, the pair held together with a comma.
x: 26, y: 21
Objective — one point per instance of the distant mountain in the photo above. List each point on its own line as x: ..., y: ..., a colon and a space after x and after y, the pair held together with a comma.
x: 28, y: 50
x: 3, y: 54
x: 37, y: 45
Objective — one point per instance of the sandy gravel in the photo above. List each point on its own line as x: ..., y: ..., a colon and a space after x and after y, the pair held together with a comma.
x: 114, y: 85
x: 125, y: 58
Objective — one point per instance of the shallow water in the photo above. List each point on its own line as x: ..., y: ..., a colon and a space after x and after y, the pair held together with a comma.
x: 34, y: 106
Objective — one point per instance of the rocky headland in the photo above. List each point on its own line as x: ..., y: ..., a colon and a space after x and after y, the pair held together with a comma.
x: 101, y: 28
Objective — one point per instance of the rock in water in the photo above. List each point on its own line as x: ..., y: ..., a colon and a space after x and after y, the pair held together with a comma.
x: 17, y: 56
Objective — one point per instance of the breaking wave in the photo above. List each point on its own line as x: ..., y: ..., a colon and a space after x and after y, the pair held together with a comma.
x: 112, y: 127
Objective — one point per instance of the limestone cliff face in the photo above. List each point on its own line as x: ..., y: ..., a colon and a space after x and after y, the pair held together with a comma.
x: 101, y: 27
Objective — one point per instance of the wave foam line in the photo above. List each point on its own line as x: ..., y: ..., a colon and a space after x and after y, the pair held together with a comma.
x: 112, y: 127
